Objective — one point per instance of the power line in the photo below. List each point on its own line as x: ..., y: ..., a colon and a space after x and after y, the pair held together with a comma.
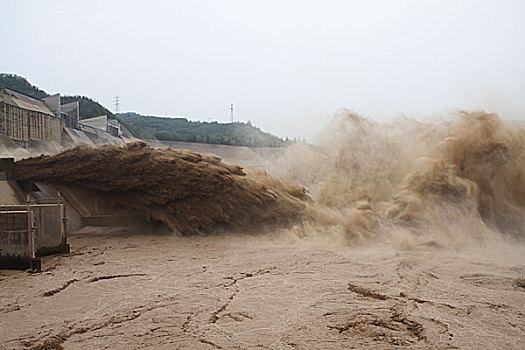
x: 231, y: 113
x: 116, y: 100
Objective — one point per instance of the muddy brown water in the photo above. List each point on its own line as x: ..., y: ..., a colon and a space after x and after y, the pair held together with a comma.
x: 119, y: 290
x: 411, y: 236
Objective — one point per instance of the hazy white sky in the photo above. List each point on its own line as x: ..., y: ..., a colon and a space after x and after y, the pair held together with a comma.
x: 286, y: 65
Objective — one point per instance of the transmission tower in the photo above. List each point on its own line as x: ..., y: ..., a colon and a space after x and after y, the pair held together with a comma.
x: 117, y: 104
x: 231, y: 113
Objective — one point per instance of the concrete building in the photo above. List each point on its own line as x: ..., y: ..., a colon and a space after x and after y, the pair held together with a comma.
x: 114, y: 127
x: 102, y: 123
x: 24, y: 119
x: 48, y: 125
x: 33, y: 220
x: 71, y: 114
x: 27, y: 120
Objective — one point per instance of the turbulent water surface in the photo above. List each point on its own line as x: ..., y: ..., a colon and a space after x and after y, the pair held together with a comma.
x: 400, y: 234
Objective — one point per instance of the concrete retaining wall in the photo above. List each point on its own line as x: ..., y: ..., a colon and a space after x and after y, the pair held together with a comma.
x: 17, y: 246
x: 50, y: 234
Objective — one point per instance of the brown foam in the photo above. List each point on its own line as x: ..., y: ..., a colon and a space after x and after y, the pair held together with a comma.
x: 188, y: 191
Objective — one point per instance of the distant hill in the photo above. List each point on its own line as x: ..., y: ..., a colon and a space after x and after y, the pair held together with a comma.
x: 20, y: 84
x: 151, y: 127
x: 181, y: 129
x: 88, y: 107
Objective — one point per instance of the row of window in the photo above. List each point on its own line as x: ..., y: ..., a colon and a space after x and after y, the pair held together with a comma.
x: 23, y: 125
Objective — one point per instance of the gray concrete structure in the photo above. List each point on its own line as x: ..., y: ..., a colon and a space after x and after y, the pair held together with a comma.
x: 17, y: 246
x: 100, y: 122
x: 24, y: 119
x: 71, y: 114
x: 32, y: 221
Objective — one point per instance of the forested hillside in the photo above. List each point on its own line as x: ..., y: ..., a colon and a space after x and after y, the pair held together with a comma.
x: 181, y: 129
x: 20, y: 84
x: 151, y: 127
x: 88, y: 107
